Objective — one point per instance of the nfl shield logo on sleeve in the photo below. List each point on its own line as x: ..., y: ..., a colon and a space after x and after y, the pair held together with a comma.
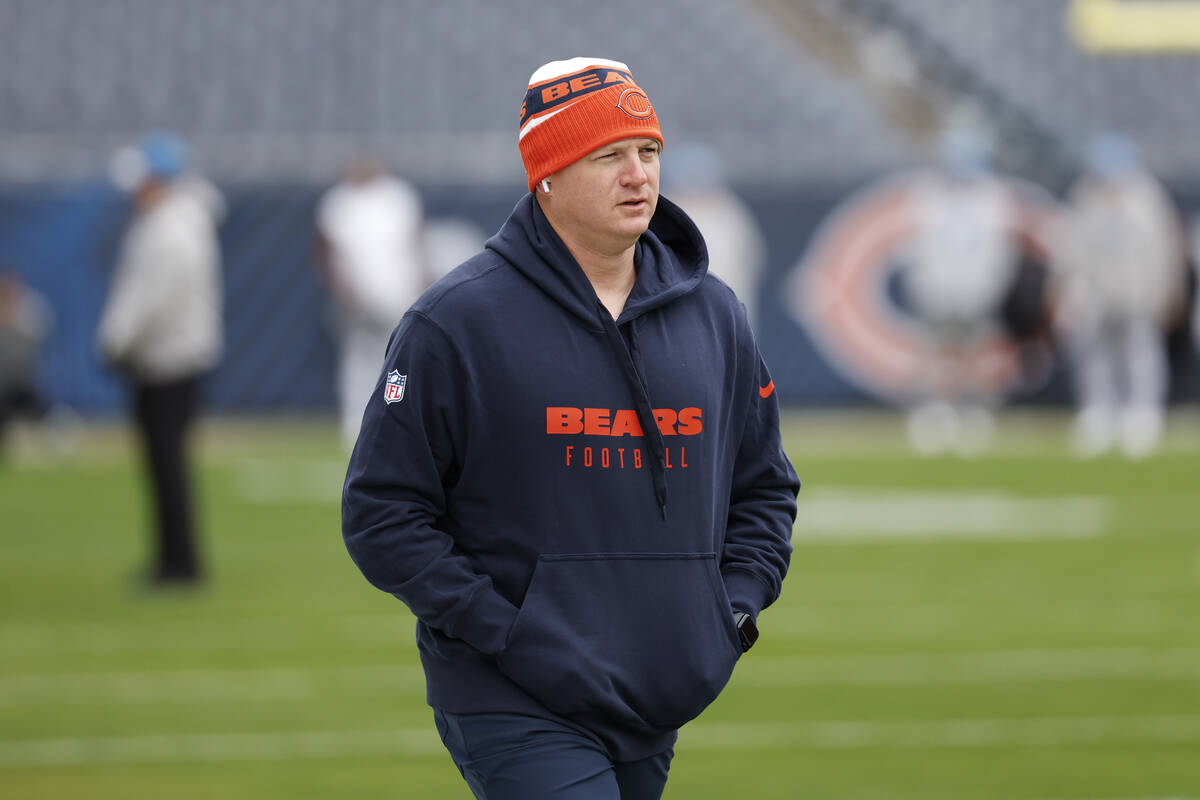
x: 393, y: 390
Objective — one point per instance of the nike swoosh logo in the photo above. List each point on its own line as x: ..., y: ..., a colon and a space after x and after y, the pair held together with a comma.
x: 765, y: 391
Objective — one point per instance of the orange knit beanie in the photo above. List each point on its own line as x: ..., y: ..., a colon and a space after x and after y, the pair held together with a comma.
x: 575, y: 106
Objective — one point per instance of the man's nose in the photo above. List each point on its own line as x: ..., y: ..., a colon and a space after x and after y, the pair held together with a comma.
x: 634, y: 171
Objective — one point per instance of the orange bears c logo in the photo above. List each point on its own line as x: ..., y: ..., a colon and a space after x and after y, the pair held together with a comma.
x: 633, y: 101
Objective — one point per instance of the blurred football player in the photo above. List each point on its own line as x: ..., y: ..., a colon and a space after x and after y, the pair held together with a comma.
x: 1118, y: 255
x: 369, y: 229
x: 962, y: 260
x: 25, y: 321
x: 161, y: 328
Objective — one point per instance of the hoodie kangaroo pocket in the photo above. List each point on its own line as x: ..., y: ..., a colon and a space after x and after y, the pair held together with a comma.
x: 646, y: 639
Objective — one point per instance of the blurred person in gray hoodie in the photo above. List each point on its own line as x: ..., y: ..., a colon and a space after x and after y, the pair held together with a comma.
x: 1119, y: 258
x: 962, y: 260
x: 161, y: 328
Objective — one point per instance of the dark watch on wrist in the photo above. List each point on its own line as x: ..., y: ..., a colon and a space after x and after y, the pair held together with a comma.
x: 747, y: 630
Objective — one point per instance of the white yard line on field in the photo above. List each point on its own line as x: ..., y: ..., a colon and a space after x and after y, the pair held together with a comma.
x: 1004, y: 666
x: 264, y: 482
x: 292, y: 684
x: 269, y: 746
x: 954, y: 733
x: 391, y: 632
x: 1122, y: 616
x: 853, y: 513
x: 416, y: 742
x: 1041, y: 434
x: 208, y: 636
x: 1140, y: 797
x: 262, y: 684
x: 826, y: 512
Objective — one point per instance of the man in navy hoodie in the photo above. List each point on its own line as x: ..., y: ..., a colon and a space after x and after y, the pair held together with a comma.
x: 571, y: 471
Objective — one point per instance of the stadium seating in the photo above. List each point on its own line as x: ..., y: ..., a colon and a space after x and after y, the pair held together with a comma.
x: 269, y: 89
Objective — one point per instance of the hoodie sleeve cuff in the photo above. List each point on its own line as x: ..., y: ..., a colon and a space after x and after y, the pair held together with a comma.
x: 486, y: 621
x: 746, y: 592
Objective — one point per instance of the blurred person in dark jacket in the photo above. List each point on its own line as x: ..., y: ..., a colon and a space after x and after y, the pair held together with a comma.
x: 1195, y: 263
x: 25, y: 321
x: 161, y: 328
x: 1118, y: 258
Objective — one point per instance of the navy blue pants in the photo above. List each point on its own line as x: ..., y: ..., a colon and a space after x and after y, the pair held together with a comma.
x: 518, y: 757
x: 164, y: 413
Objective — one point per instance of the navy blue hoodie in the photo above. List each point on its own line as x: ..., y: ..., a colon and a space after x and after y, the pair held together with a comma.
x: 574, y: 506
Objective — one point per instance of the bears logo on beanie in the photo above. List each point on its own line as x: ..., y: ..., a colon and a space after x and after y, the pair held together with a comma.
x: 575, y: 106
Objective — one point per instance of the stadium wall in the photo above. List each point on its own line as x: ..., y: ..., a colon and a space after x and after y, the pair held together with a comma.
x: 279, y: 354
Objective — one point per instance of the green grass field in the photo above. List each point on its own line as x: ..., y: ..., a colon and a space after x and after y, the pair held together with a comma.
x: 1023, y: 626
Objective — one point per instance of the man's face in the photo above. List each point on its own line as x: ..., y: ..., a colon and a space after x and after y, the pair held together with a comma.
x: 607, y: 198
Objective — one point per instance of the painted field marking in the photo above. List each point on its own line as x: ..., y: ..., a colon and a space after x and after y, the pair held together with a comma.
x: 934, y: 734
x: 937, y: 619
x: 208, y: 636
x: 1161, y: 797
x: 391, y: 632
x: 269, y: 684
x: 853, y: 513
x: 184, y: 748
x: 1004, y: 666
x: 276, y: 684
x: 423, y: 741
x: 264, y: 482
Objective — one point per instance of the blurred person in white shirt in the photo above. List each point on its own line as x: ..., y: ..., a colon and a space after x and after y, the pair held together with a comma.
x: 369, y: 230
x: 161, y: 327
x: 1118, y: 257
x: 961, y: 262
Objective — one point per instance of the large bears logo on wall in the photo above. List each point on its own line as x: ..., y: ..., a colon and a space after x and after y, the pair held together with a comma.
x: 842, y: 291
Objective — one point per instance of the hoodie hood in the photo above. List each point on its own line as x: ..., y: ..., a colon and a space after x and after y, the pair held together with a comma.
x: 671, y: 260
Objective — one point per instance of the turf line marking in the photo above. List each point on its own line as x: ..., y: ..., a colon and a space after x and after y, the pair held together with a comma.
x: 216, y: 747
x: 1160, y: 797
x: 390, y: 633
x: 208, y: 636
x: 278, y: 684
x: 989, y: 667
x: 950, y: 620
x: 423, y: 741
x: 175, y: 686
x: 264, y: 482
x: 935, y: 734
x: 853, y: 514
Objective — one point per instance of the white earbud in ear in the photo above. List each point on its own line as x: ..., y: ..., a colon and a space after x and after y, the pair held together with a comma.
x: 546, y: 185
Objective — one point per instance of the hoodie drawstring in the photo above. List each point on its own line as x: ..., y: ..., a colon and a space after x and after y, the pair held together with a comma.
x: 630, y: 365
